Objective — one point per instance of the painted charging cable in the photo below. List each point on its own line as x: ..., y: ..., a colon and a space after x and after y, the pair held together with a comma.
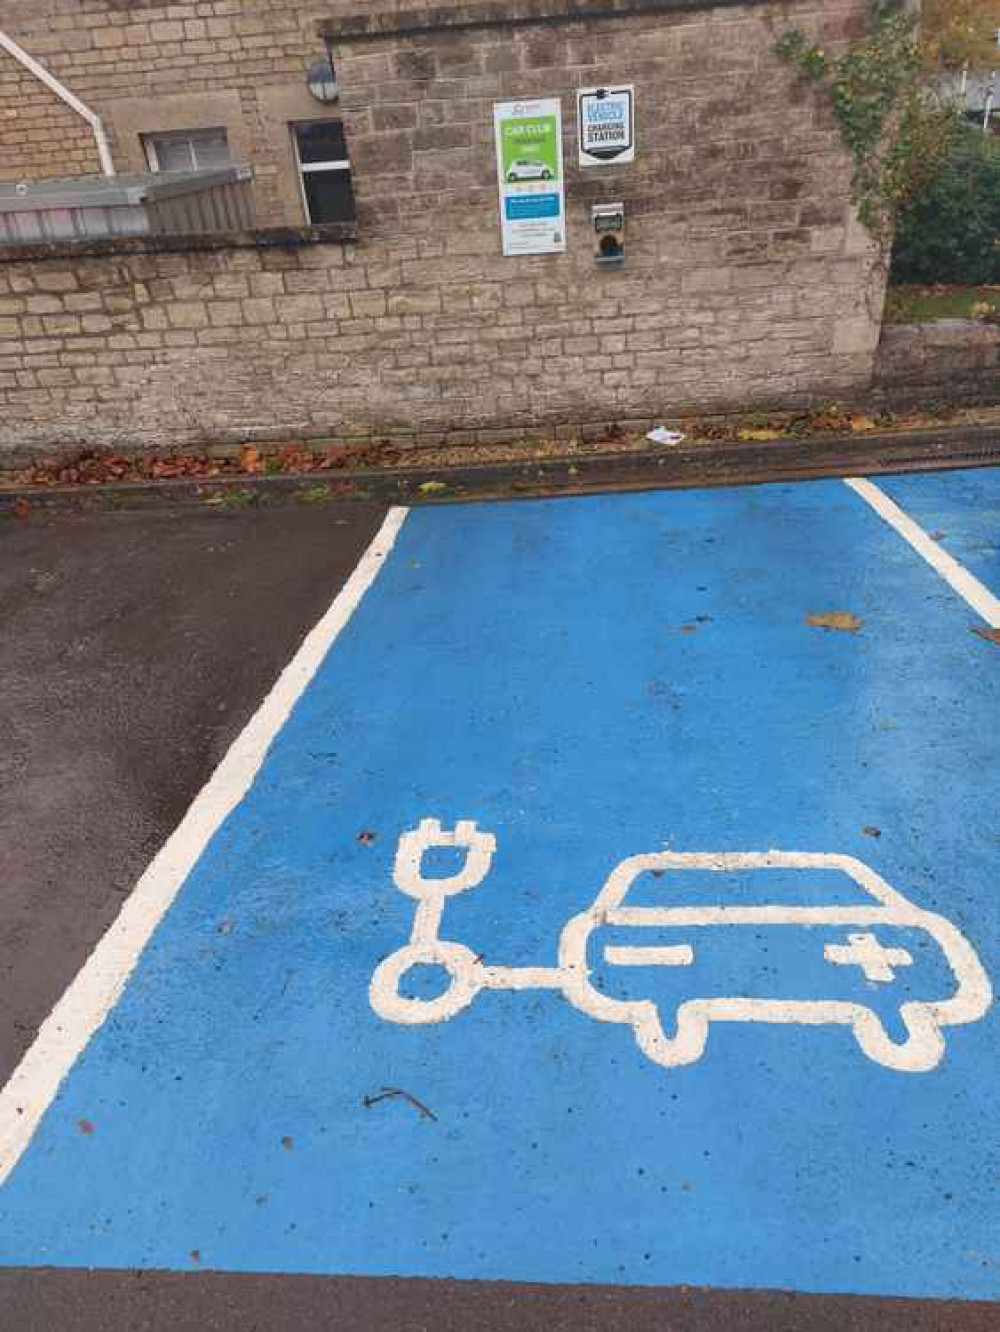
x: 465, y: 969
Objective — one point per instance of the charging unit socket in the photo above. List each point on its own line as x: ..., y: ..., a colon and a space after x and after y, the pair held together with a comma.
x: 609, y: 233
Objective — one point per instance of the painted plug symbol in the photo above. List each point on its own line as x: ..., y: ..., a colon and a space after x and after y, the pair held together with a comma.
x: 426, y: 947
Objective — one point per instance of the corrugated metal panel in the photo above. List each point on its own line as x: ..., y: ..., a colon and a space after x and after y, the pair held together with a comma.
x: 192, y: 203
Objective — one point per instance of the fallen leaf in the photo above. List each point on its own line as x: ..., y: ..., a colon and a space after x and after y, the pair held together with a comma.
x: 758, y: 436
x: 843, y: 621
x: 335, y: 458
x: 991, y: 635
x: 432, y: 487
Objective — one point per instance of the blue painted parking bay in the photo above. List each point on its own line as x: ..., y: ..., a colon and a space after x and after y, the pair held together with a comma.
x: 594, y: 917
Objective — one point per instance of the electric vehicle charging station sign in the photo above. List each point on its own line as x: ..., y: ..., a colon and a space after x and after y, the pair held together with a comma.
x: 530, y: 172
x: 606, y: 119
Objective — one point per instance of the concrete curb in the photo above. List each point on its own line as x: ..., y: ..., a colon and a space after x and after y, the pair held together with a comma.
x: 694, y: 465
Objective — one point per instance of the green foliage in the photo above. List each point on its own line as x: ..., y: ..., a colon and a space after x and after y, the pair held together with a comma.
x: 949, y: 233
x: 924, y: 304
x: 897, y: 132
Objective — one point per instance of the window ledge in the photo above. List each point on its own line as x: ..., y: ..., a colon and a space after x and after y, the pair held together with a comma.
x: 461, y: 16
x: 269, y: 238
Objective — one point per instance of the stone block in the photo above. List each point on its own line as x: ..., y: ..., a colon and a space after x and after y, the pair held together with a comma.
x: 187, y: 314
x: 300, y: 309
x: 858, y: 335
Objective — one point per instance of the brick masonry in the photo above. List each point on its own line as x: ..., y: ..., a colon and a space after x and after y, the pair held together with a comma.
x: 748, y: 279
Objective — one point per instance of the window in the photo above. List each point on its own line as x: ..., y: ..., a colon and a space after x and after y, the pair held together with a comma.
x: 187, y: 150
x: 321, y: 153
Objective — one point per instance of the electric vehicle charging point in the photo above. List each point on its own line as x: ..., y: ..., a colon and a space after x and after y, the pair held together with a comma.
x: 609, y: 233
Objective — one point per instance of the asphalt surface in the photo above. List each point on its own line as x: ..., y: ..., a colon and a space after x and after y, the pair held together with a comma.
x: 133, y: 648
x: 142, y: 1302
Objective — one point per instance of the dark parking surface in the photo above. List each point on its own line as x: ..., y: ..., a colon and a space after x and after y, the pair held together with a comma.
x: 133, y: 648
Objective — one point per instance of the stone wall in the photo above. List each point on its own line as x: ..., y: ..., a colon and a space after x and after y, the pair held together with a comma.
x: 148, y: 67
x: 39, y: 135
x: 945, y: 358
x: 748, y: 278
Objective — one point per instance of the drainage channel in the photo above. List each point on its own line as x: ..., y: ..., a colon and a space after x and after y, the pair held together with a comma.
x: 689, y: 468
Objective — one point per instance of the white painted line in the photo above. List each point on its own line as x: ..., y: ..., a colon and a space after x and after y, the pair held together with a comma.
x: 968, y: 587
x: 677, y: 955
x: 89, y: 999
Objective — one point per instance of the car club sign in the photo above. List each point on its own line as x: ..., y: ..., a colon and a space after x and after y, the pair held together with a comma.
x: 530, y: 170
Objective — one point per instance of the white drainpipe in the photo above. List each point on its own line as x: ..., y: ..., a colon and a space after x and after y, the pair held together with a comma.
x: 40, y: 72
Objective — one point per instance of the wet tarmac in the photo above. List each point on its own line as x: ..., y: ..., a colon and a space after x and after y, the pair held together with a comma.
x: 133, y: 649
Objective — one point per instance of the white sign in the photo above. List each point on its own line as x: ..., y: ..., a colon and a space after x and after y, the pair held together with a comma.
x: 530, y: 171
x: 606, y: 117
x: 840, y: 939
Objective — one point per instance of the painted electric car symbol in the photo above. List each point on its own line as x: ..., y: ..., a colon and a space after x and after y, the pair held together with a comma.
x: 615, y: 938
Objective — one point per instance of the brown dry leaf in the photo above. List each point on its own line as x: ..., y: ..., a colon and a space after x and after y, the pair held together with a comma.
x: 828, y: 420
x: 991, y: 635
x: 843, y: 621
x: 335, y: 458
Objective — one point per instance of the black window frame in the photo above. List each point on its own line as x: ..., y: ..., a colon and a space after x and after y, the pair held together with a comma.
x: 313, y: 169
